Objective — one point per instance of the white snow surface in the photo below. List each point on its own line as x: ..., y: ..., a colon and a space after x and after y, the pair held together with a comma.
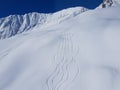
x: 80, y: 53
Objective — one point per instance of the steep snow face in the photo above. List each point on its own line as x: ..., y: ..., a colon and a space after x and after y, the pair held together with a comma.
x: 81, y: 53
x: 16, y: 24
x: 66, y: 14
x: 109, y: 3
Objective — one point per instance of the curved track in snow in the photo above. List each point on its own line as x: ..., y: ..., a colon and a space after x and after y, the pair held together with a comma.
x: 64, y: 58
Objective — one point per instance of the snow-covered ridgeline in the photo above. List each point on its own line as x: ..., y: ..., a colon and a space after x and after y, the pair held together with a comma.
x: 15, y: 24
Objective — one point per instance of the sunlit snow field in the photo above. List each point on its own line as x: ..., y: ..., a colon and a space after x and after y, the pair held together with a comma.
x: 80, y: 53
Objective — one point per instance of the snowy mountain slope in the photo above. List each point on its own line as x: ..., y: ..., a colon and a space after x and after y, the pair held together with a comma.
x: 15, y: 24
x: 65, y: 14
x: 81, y: 53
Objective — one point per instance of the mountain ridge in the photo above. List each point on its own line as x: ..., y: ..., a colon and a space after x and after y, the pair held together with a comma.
x: 16, y: 24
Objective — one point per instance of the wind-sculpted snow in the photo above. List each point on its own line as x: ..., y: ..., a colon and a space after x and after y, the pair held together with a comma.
x: 16, y: 24
x: 81, y: 53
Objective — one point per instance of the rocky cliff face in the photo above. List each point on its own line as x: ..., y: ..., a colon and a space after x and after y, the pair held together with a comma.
x: 109, y: 3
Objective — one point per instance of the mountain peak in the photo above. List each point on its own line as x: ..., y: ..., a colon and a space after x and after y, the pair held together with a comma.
x: 109, y: 3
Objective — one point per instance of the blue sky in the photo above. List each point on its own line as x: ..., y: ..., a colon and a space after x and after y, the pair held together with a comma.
x: 9, y: 7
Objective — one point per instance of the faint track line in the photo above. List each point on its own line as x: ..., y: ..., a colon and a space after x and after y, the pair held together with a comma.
x: 65, y: 57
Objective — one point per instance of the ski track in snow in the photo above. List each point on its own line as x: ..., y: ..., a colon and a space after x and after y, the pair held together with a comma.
x: 5, y: 52
x: 62, y: 74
